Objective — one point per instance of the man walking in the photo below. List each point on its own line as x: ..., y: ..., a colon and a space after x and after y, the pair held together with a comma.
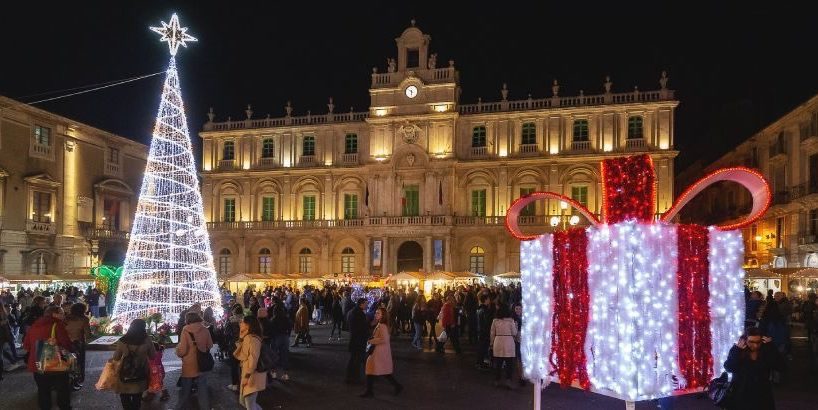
x: 359, y: 334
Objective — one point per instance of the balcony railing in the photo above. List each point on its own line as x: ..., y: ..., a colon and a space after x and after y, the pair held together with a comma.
x: 112, y: 168
x: 802, y: 190
x: 306, y: 161
x: 48, y: 228
x: 287, y: 121
x: 386, y: 221
x: 108, y: 233
x: 40, y: 150
x: 227, y: 164
x: 636, y: 143
x: 572, y: 101
x: 479, y: 152
x: 581, y: 145
x: 266, y: 162
x: 529, y: 148
x: 777, y: 149
x: 350, y: 159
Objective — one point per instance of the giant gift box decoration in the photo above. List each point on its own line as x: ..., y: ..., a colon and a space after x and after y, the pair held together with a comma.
x: 633, y: 307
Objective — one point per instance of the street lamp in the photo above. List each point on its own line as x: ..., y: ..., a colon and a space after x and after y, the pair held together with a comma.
x: 571, y: 220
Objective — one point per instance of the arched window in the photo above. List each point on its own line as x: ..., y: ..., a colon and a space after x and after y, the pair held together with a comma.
x: 580, y: 130
x: 267, y: 148
x: 39, y: 264
x: 308, y: 147
x: 225, y: 263
x: 305, y: 261
x: 477, y: 260
x: 347, y: 260
x: 529, y: 134
x: 229, y: 151
x: 264, y: 260
x: 478, y: 136
x: 635, y: 130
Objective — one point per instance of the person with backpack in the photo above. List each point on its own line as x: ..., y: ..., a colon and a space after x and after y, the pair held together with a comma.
x: 247, y: 353
x: 194, y: 347
x: 133, y: 350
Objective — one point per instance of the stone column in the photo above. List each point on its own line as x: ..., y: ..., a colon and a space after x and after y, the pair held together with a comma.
x: 428, y: 261
x: 447, y: 253
x: 385, y: 265
x: 241, y: 258
x: 367, y: 255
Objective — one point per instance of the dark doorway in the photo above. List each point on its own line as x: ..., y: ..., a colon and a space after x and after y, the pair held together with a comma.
x: 410, y: 257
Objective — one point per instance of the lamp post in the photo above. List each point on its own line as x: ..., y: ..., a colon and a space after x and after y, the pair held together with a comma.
x: 569, y: 219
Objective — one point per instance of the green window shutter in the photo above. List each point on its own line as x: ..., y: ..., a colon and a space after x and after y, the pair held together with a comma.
x: 350, y: 206
x: 530, y: 209
x: 230, y: 210
x: 478, y: 202
x: 309, y: 208
x: 268, y: 208
x: 580, y: 194
x: 411, y: 199
x: 351, y: 144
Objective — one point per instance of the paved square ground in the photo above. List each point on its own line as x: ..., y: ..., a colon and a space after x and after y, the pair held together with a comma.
x: 431, y: 380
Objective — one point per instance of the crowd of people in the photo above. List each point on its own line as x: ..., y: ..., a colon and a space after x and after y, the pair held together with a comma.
x: 260, y: 327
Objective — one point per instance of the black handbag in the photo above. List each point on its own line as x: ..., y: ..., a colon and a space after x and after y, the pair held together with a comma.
x: 204, y: 359
x: 721, y: 390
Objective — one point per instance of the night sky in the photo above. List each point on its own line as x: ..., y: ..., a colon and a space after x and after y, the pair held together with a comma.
x: 734, y: 70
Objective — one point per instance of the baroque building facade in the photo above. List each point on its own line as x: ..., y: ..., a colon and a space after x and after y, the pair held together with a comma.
x: 67, y: 194
x: 419, y: 182
x: 786, y: 153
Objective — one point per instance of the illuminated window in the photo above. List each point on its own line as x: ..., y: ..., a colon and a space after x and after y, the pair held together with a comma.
x: 529, y: 135
x: 267, y: 148
x: 268, y: 208
x: 305, y: 261
x: 478, y: 137
x: 478, y: 202
x: 351, y: 144
x: 229, y: 151
x: 42, y: 135
x: 347, y: 260
x: 264, y: 260
x: 225, y: 262
x: 753, y: 234
x: 580, y: 130
x: 229, y: 210
x: 531, y: 208
x: 41, y: 206
x: 308, y: 146
x: 580, y: 194
x: 110, y: 214
x: 309, y: 208
x: 350, y: 206
x: 635, y: 130
x: 39, y: 264
x: 477, y: 260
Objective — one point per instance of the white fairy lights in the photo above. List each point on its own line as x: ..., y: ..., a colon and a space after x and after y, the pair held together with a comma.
x: 536, y: 273
x: 169, y: 265
x: 631, y: 342
x: 726, y: 293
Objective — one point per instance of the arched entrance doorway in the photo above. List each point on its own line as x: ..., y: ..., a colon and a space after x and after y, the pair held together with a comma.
x: 410, y: 257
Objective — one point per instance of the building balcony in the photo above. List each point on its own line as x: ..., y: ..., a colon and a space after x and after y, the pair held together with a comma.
x: 529, y: 149
x: 40, y: 150
x: 350, y: 159
x: 479, y: 152
x: 581, y: 146
x: 227, y: 164
x: 809, y: 143
x: 802, y: 191
x: 778, y: 154
x: 266, y: 163
x: 636, y: 144
x: 112, y: 169
x: 108, y: 233
x: 44, y: 228
x: 306, y: 161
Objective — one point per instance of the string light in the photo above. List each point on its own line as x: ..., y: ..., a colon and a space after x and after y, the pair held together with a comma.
x: 536, y: 272
x: 169, y: 265
x: 726, y: 285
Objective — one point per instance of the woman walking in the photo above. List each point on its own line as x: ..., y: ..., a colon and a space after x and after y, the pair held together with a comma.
x: 419, y: 321
x: 194, y: 338
x: 79, y: 331
x: 302, y: 325
x: 379, y: 362
x: 51, y: 323
x: 247, y: 353
x: 503, y: 336
x: 337, y: 314
x: 133, y: 350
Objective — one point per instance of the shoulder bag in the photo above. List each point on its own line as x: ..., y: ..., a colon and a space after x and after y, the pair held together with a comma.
x: 204, y: 359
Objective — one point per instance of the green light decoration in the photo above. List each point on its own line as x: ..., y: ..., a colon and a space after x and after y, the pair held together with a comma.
x: 107, y: 278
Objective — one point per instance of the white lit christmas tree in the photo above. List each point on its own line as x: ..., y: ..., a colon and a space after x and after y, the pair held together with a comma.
x: 169, y: 265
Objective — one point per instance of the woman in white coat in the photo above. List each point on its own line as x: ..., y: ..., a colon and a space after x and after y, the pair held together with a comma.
x: 502, y: 338
x: 247, y: 352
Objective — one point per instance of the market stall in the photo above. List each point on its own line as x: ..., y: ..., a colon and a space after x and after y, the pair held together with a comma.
x: 801, y: 281
x: 239, y: 282
x: 763, y: 280
x: 507, y: 278
x: 51, y: 282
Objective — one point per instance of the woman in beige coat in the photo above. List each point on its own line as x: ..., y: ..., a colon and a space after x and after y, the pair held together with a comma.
x: 193, y: 338
x: 248, y: 349
x: 502, y: 338
x: 379, y: 362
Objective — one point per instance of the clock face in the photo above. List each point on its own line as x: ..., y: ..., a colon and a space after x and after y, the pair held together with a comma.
x: 411, y: 91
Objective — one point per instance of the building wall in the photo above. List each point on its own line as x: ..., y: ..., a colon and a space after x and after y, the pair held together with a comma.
x: 782, y: 152
x: 424, y: 140
x: 76, y: 167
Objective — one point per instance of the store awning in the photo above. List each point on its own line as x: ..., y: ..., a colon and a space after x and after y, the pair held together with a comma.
x: 410, y: 276
x: 801, y: 273
x: 507, y: 275
x: 757, y: 273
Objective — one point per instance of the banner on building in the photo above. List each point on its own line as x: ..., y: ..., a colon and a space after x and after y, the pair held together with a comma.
x: 376, y: 254
x: 438, y: 253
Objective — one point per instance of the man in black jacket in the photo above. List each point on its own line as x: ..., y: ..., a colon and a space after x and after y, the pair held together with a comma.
x: 358, y: 335
x: 485, y: 315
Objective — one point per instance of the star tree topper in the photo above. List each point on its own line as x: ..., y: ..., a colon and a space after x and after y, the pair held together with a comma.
x: 173, y: 34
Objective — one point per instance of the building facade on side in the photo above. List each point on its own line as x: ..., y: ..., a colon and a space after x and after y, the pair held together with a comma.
x: 68, y: 192
x: 786, y: 153
x: 419, y: 182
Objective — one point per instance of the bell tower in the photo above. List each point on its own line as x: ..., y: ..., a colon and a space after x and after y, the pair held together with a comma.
x: 413, y: 49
